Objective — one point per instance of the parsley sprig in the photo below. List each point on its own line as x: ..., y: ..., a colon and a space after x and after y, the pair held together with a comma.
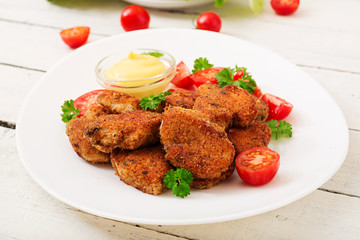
x: 152, y: 101
x: 201, y: 64
x: 179, y: 181
x: 69, y: 111
x: 154, y: 54
x: 280, y: 128
x: 226, y: 77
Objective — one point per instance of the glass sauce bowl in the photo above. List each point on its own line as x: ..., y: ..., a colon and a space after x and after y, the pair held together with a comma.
x: 137, y: 87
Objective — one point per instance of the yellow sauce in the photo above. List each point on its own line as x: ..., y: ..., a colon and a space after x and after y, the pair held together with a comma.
x: 135, y: 74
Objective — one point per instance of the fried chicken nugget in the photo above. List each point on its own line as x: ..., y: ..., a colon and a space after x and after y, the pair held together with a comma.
x: 128, y: 131
x: 229, y: 106
x: 118, y: 102
x: 181, y: 98
x: 262, y: 109
x: 95, y: 111
x: 258, y: 134
x: 211, y: 182
x: 76, y: 131
x: 192, y: 142
x: 143, y: 168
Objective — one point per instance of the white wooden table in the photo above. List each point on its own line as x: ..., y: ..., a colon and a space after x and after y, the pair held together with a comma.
x: 322, y: 38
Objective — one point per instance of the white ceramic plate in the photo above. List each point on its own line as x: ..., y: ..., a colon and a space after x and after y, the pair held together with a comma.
x: 170, y: 4
x: 308, y: 160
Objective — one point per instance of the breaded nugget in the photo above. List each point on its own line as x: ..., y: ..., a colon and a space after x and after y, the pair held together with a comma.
x: 258, y: 134
x: 95, y: 111
x: 118, y: 102
x: 129, y: 131
x: 262, y: 109
x: 143, y: 169
x: 229, y: 106
x: 209, y: 87
x: 211, y: 182
x: 192, y: 142
x: 181, y: 98
x: 76, y: 131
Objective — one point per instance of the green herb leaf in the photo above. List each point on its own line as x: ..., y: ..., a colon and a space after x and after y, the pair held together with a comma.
x: 179, y: 181
x: 69, y: 111
x: 226, y: 77
x: 153, y: 101
x: 201, y: 64
x: 280, y: 128
x: 154, y: 54
x: 219, y: 3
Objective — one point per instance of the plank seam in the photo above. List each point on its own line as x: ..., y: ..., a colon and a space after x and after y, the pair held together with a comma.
x: 131, y: 224
x: 328, y: 69
x: 45, y: 26
x: 22, y: 67
x: 339, y: 193
x: 7, y: 124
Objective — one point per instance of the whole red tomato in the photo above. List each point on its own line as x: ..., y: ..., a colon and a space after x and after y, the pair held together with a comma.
x: 209, y: 21
x: 76, y: 36
x: 134, y: 17
x: 285, y: 7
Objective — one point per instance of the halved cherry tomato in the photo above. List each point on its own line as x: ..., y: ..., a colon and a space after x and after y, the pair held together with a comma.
x: 86, y: 100
x: 76, y: 36
x: 278, y: 107
x: 285, y: 7
x: 182, y: 78
x: 134, y: 17
x: 206, y: 75
x: 257, y: 92
x: 257, y: 166
x: 209, y: 21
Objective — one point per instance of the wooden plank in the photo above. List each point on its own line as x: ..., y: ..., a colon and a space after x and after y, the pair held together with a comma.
x: 15, y: 84
x: 25, y: 204
x: 19, y: 47
x: 308, y: 38
x: 320, y: 215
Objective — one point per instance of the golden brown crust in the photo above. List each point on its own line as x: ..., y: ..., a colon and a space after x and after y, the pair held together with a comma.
x: 192, y: 142
x: 211, y: 182
x: 261, y: 108
x: 95, y: 111
x: 143, y: 169
x: 181, y: 98
x: 118, y: 102
x: 76, y: 131
x: 128, y: 131
x: 229, y: 106
x: 258, y: 134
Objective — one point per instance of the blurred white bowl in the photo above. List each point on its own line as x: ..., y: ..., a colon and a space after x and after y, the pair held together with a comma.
x: 169, y: 4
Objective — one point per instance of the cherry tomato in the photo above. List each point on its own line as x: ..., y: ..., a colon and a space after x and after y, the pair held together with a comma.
x: 76, y: 36
x: 278, y: 107
x: 182, y: 78
x: 257, y: 166
x: 86, y: 100
x: 209, y: 21
x: 238, y: 75
x: 134, y: 17
x: 257, y: 92
x: 285, y: 7
x: 206, y: 75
